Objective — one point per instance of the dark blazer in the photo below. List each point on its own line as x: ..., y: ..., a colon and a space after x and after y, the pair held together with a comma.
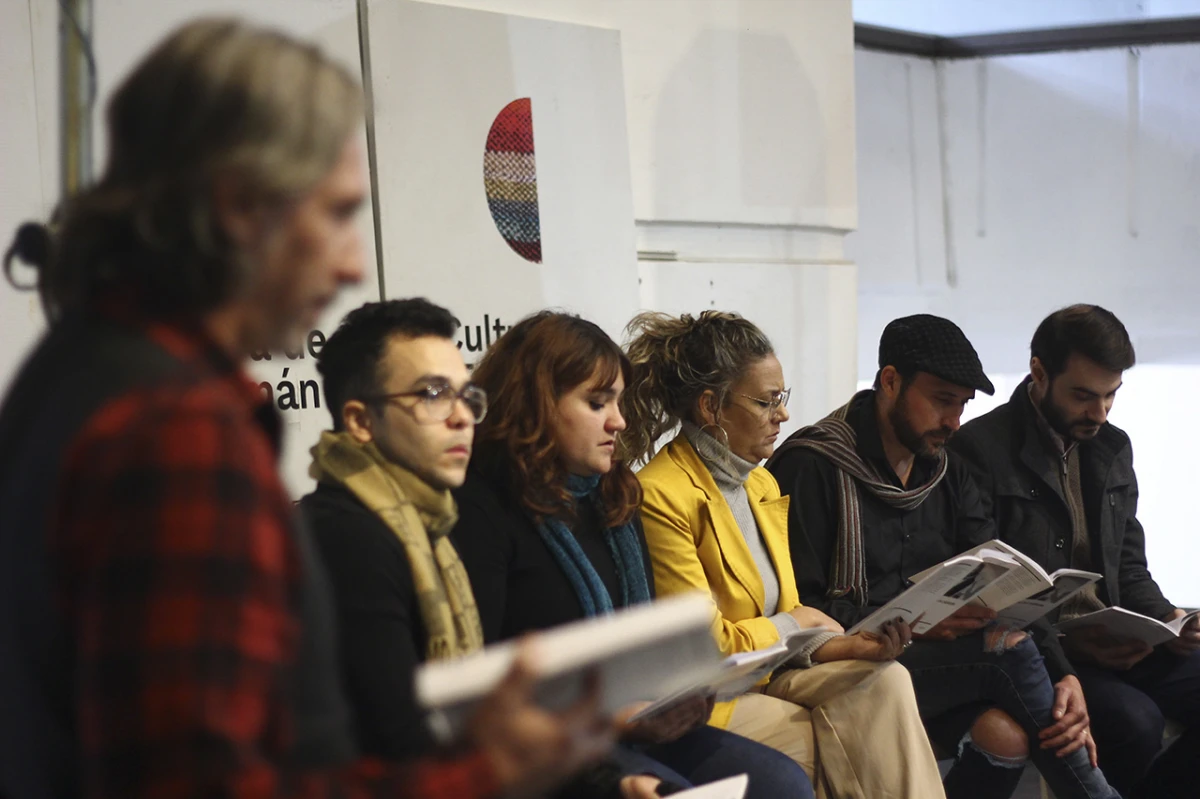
x: 518, y: 584
x: 1008, y: 457
x: 381, y: 635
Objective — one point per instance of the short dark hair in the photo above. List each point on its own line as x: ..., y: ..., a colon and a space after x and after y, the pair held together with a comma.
x: 349, y: 361
x: 1087, y: 330
x: 907, y: 375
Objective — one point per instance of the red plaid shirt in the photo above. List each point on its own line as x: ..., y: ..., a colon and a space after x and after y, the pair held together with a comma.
x: 181, y: 585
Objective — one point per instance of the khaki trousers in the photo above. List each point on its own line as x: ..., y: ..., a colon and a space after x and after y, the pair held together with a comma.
x: 851, y: 724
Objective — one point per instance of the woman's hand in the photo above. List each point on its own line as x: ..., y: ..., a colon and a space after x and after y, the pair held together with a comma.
x: 809, y: 618
x: 887, y: 644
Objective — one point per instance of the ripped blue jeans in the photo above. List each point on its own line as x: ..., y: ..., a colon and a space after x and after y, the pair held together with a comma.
x: 951, y: 677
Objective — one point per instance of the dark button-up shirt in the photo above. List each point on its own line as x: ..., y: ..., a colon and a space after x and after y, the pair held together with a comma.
x: 898, y: 543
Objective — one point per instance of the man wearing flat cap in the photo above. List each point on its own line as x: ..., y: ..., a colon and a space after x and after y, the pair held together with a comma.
x: 875, y: 499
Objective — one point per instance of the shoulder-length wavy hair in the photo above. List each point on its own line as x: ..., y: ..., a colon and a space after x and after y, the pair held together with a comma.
x: 525, y: 373
x: 217, y: 97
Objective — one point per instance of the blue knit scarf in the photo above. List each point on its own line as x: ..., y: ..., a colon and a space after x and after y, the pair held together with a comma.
x: 622, y: 542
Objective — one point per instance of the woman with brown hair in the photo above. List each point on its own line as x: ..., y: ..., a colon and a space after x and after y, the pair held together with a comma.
x: 549, y: 530
x: 715, y: 521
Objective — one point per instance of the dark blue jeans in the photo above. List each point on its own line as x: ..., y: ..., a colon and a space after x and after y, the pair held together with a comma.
x: 951, y: 675
x: 708, y: 754
x: 1129, y: 711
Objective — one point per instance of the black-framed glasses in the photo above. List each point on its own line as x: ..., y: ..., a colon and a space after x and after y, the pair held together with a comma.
x: 777, y: 401
x: 437, y: 402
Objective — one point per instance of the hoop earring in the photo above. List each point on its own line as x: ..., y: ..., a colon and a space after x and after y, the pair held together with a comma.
x: 723, y: 440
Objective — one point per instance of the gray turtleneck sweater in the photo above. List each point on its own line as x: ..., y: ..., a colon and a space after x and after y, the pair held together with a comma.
x: 730, y: 473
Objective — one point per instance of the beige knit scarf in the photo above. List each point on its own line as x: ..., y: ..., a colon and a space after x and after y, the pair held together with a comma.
x: 422, y: 518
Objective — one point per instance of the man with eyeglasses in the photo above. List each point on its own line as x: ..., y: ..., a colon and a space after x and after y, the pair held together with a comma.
x: 404, y: 414
x: 875, y: 499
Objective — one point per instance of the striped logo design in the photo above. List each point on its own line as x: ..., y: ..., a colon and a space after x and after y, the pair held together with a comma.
x: 510, y: 180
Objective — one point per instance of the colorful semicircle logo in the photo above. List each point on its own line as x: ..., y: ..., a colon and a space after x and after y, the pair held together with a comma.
x: 510, y: 179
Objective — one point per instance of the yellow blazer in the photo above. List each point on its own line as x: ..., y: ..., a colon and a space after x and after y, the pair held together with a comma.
x: 695, y: 544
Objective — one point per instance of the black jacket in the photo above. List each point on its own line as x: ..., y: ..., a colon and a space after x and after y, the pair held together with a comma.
x: 1008, y: 457
x: 381, y: 635
x: 898, y: 543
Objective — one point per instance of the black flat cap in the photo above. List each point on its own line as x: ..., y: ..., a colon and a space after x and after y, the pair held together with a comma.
x: 927, y: 343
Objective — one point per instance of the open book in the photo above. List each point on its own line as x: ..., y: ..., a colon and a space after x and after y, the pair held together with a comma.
x: 735, y: 675
x: 641, y: 653
x: 994, y: 575
x: 728, y: 788
x: 1122, y: 623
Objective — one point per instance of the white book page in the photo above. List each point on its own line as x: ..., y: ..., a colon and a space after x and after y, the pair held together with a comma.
x: 565, y: 648
x: 738, y: 673
x: 1029, y: 610
x: 1026, y: 579
x: 1122, y: 623
x: 729, y: 788
x: 1182, y: 622
x: 943, y: 590
x: 639, y: 654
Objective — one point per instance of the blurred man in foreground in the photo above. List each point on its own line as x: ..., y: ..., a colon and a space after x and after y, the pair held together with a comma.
x: 166, y: 627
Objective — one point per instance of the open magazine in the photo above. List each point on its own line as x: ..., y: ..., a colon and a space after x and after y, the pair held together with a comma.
x: 641, y: 654
x: 735, y: 675
x: 1028, y: 592
x: 937, y: 592
x: 1122, y: 623
x: 994, y: 575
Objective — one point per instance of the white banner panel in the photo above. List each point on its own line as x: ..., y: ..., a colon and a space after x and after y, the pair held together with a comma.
x: 452, y: 90
x: 22, y: 155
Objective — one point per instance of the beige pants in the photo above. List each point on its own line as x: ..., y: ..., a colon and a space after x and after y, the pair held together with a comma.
x: 852, y: 725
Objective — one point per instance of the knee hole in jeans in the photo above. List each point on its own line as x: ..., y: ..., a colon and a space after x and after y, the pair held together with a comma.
x: 998, y: 737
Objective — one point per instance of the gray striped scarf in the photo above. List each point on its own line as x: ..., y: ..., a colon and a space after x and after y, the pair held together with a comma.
x: 834, y: 439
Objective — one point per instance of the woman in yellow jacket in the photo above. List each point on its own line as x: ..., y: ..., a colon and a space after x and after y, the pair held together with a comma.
x: 714, y: 520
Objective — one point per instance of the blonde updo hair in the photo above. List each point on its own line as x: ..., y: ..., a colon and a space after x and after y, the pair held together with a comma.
x: 677, y: 359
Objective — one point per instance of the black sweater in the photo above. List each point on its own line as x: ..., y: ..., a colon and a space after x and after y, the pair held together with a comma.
x: 381, y: 635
